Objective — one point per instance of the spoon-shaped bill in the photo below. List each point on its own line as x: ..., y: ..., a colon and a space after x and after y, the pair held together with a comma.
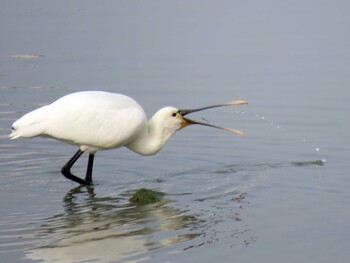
x: 230, y: 103
x: 189, y: 121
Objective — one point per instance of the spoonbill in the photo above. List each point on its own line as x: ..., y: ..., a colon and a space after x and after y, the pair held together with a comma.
x: 98, y: 120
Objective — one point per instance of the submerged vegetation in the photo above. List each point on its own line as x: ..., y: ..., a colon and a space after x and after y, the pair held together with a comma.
x: 145, y: 196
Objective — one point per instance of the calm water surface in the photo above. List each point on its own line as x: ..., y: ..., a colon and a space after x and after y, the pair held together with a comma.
x: 278, y: 194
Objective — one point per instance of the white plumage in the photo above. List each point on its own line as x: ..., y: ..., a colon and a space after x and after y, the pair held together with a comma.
x: 91, y: 120
x: 96, y: 120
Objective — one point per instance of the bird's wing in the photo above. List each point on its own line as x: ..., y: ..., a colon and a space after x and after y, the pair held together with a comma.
x: 95, y: 119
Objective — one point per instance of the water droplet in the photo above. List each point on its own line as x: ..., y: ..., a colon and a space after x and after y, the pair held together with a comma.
x: 317, y: 149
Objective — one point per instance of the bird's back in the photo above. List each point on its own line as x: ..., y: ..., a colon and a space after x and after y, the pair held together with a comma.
x: 93, y: 119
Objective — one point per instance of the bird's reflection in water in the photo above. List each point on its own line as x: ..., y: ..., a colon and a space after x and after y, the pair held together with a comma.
x: 104, y: 229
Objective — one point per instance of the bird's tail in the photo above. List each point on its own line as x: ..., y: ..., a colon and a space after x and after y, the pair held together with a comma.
x: 30, y: 125
x: 26, y: 131
x: 14, y: 134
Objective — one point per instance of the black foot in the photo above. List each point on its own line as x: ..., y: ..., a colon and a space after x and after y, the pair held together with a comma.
x: 66, y: 172
x: 66, y: 169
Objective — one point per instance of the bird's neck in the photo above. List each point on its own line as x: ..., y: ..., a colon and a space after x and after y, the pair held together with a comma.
x: 151, y: 139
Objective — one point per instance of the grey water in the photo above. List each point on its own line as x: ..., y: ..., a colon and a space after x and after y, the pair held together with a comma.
x: 278, y: 194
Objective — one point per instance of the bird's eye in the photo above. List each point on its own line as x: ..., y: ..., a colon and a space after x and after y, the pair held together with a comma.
x: 174, y: 114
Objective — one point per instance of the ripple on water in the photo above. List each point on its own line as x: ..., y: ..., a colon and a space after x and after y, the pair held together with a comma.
x: 205, y: 205
x: 17, y: 235
x: 106, y: 229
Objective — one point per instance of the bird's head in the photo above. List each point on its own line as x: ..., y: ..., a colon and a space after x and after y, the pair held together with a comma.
x: 172, y: 119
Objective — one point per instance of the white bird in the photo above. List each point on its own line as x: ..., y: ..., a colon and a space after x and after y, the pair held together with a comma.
x: 97, y: 120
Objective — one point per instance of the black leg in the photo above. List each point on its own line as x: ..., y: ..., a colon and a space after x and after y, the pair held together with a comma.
x: 66, y: 169
x: 88, y: 176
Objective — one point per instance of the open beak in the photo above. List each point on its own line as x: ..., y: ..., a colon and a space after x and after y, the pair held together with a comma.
x: 187, y: 122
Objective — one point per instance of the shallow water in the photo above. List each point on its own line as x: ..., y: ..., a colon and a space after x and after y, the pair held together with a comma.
x: 280, y: 193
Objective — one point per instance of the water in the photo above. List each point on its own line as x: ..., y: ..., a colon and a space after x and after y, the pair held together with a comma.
x: 280, y: 193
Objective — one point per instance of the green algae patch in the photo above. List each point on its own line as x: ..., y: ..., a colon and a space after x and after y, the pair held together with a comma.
x: 145, y: 196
